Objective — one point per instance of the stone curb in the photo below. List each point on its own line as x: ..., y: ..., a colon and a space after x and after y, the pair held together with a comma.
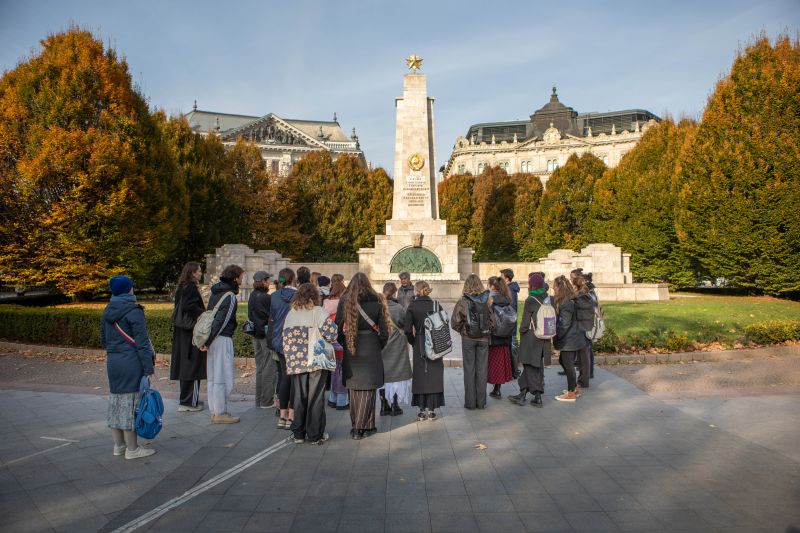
x: 457, y: 362
x: 688, y: 357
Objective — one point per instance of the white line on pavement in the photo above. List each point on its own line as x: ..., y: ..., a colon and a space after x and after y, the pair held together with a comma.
x: 199, y: 489
x: 35, y: 454
x: 59, y: 439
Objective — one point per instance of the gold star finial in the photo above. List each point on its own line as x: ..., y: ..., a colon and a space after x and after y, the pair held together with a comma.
x: 414, y: 62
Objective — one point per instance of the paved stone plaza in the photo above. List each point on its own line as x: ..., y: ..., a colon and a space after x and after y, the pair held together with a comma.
x: 617, y: 460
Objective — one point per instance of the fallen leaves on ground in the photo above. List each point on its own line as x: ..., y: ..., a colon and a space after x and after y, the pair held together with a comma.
x: 480, y: 446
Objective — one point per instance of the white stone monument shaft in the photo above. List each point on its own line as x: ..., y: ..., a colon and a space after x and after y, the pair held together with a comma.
x: 414, y: 158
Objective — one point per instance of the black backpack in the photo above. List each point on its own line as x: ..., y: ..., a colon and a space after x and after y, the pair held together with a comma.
x: 477, y: 319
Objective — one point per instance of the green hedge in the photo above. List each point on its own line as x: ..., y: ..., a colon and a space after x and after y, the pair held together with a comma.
x: 773, y: 331
x: 81, y: 327
x: 66, y: 326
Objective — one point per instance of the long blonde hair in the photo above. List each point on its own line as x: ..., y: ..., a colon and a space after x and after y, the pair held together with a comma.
x: 357, y: 289
x: 473, y: 285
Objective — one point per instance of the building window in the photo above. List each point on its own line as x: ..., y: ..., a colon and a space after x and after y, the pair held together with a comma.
x: 480, y: 167
x: 551, y: 165
x: 461, y: 169
x: 275, y: 166
x: 604, y: 159
x: 504, y: 165
x: 525, y: 166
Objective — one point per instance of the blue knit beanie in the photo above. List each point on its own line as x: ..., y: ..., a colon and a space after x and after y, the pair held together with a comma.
x: 120, y: 285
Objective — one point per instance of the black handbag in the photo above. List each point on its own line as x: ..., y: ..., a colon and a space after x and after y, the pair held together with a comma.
x: 180, y: 319
x: 248, y: 328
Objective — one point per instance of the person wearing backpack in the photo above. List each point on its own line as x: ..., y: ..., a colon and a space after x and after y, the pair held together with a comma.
x: 505, y: 325
x: 220, y: 344
x: 306, y: 323
x: 258, y: 313
x: 396, y: 366
x: 513, y: 288
x: 427, y: 382
x: 129, y: 357
x: 472, y: 319
x: 279, y: 306
x: 599, y: 312
x: 534, y: 352
x: 338, y: 397
x: 569, y: 340
x: 188, y: 364
x: 364, y: 327
x: 585, y: 314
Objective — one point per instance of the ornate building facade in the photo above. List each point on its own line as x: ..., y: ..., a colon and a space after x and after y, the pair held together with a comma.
x: 281, y: 141
x: 545, y: 142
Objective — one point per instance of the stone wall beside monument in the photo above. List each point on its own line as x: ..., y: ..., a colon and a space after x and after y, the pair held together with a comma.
x: 609, y: 266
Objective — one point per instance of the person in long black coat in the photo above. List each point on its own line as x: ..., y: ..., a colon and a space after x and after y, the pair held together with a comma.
x: 188, y: 364
x: 363, y: 340
x: 427, y: 380
x: 534, y: 353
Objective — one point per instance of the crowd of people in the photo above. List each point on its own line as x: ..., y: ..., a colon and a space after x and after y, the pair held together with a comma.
x: 375, y: 341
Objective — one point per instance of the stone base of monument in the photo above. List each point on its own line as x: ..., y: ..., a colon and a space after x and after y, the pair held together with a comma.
x: 419, y: 246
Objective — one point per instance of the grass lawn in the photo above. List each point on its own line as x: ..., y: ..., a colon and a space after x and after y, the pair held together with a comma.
x: 702, y: 318
x: 687, y: 318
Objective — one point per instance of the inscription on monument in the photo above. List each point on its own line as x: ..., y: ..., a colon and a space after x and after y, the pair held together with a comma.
x: 415, y: 190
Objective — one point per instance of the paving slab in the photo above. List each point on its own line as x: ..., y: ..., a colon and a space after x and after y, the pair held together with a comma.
x: 616, y: 460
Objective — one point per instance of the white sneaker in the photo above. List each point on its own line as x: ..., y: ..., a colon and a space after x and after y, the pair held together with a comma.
x: 120, y: 450
x: 189, y: 408
x: 139, y: 452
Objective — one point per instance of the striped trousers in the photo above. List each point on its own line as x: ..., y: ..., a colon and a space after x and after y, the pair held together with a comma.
x: 362, y: 409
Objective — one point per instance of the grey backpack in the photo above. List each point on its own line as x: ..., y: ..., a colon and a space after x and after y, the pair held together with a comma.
x: 438, y: 342
x: 202, y: 328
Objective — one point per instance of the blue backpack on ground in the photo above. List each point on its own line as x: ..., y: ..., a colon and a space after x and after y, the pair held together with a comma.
x: 149, y: 411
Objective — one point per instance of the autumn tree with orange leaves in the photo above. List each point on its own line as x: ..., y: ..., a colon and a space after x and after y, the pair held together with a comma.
x: 87, y: 188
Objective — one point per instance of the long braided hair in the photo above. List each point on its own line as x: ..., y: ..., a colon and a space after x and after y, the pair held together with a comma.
x: 357, y: 290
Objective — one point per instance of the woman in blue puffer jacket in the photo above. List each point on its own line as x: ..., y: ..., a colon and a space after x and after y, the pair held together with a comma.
x: 129, y: 357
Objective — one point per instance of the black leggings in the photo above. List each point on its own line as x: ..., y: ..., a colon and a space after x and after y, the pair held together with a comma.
x: 567, y: 360
x: 284, y: 385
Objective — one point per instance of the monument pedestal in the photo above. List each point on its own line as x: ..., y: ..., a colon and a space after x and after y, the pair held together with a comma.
x: 421, y: 247
x: 416, y: 240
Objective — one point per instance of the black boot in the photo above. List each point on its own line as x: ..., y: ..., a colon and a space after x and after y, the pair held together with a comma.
x: 386, y: 409
x: 519, y: 399
x: 396, y: 408
x: 496, y: 392
x: 537, y: 400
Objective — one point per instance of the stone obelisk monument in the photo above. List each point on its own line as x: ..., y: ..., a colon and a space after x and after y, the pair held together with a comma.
x: 416, y: 239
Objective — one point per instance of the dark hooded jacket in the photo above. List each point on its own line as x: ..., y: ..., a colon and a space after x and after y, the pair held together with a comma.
x: 226, y: 314
x: 125, y: 363
x: 514, y: 288
x: 258, y: 311
x: 459, y: 320
x: 279, y: 307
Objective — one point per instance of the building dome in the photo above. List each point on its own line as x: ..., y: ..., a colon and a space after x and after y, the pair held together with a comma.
x: 554, y: 114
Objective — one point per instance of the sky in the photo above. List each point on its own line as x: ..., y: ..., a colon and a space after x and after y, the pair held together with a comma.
x: 484, y: 61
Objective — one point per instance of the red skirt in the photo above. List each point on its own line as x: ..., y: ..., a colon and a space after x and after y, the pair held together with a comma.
x: 499, y: 364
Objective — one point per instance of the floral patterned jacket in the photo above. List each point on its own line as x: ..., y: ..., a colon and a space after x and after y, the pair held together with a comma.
x: 296, y: 333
